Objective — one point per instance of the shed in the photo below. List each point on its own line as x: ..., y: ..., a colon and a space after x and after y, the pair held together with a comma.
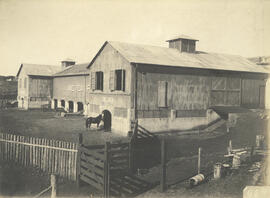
x: 35, y: 85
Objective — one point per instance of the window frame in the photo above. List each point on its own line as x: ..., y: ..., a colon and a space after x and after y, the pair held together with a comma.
x: 99, y: 82
x: 119, y: 84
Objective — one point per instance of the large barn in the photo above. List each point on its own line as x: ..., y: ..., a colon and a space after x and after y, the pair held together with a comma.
x: 70, y: 85
x: 35, y: 85
x: 170, y: 88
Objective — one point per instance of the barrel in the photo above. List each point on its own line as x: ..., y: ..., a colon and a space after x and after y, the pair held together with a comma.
x: 259, y: 141
x: 236, y: 162
x: 217, y: 170
x: 193, y: 181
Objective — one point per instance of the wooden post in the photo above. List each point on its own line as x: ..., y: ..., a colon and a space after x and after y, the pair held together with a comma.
x: 131, y: 156
x: 54, y: 186
x: 230, y: 146
x: 199, y: 160
x: 78, y: 161
x: 107, y: 171
x: 163, y: 184
x: 135, y: 92
x: 135, y: 130
x: 251, y: 153
x: 131, y: 146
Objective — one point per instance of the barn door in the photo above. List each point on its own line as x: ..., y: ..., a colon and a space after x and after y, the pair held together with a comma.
x: 261, y: 96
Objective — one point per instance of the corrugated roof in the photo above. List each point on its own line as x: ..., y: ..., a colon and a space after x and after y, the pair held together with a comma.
x: 74, y: 70
x: 39, y: 70
x: 153, y: 55
x: 181, y: 36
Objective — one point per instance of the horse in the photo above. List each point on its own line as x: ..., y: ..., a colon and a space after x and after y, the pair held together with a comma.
x: 91, y: 120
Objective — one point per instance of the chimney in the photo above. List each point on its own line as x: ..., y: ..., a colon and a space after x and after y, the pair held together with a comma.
x: 66, y: 63
x: 183, y: 43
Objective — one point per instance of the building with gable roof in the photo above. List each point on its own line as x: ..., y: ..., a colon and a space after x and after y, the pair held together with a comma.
x: 170, y: 88
x: 35, y: 85
x: 70, y: 85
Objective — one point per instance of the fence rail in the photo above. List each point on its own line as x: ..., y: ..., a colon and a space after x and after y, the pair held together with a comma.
x: 52, y: 156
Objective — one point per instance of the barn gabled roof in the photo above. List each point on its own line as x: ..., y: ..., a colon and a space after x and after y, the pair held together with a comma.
x: 163, y: 56
x: 38, y: 70
x: 74, y: 70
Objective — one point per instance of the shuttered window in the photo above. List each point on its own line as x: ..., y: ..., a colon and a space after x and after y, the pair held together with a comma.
x: 99, y: 81
x: 162, y: 93
x: 118, y: 80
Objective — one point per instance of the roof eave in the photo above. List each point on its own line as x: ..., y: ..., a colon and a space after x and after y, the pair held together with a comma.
x: 95, y: 57
x: 19, y: 70
x: 67, y: 75
x: 257, y: 72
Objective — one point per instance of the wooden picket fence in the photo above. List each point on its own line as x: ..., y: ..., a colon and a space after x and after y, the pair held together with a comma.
x: 52, y: 156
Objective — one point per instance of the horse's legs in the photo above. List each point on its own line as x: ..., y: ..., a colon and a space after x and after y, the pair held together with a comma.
x: 86, y: 123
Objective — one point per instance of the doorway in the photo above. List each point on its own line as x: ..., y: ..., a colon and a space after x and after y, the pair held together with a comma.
x: 62, y: 103
x: 80, y: 106
x: 71, y: 106
x: 55, y: 103
x: 107, y: 118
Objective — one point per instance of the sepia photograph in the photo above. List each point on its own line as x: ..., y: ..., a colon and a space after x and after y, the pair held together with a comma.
x: 125, y: 98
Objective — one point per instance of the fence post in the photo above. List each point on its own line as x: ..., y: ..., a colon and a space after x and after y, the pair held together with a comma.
x: 251, y: 153
x: 131, y: 156
x: 78, y: 161
x: 54, y: 186
x: 230, y: 146
x: 199, y: 160
x: 163, y: 184
x: 135, y: 130
x: 107, y: 171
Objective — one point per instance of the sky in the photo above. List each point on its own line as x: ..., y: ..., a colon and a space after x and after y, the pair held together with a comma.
x: 47, y: 32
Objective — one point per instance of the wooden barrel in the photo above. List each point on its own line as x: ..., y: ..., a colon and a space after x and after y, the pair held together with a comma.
x: 259, y: 141
x: 236, y: 162
x: 217, y: 170
x: 196, y: 180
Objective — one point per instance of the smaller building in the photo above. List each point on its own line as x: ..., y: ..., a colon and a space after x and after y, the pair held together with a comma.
x: 69, y: 87
x: 35, y: 85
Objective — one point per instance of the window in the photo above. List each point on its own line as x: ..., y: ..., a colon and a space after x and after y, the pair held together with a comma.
x: 117, y: 80
x: 97, y: 80
x: 162, y: 94
x: 20, y: 83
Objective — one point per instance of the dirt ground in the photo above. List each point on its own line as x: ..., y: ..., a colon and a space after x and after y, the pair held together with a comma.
x: 37, y: 123
x: 182, y: 154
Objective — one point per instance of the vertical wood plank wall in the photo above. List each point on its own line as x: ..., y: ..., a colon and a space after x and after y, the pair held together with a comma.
x: 52, y: 156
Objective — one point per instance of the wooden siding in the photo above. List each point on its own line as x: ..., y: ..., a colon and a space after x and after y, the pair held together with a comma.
x: 185, y: 92
x: 40, y: 88
x: 117, y: 102
x: 107, y: 62
x: 22, y: 92
x: 71, y: 88
x: 225, y: 91
x: 190, y: 113
x: 250, y: 92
